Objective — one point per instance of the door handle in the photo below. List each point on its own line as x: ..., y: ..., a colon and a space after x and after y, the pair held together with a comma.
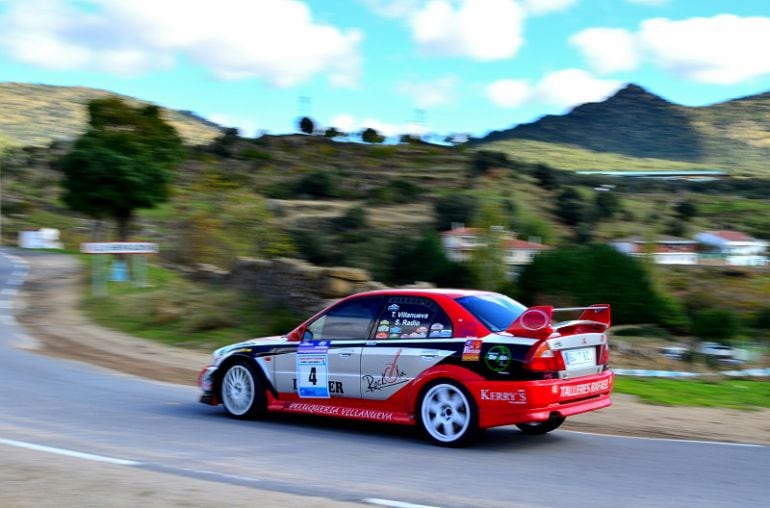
x: 428, y: 356
x: 346, y: 355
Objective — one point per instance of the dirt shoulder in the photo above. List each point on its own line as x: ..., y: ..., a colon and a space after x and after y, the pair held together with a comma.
x: 49, y: 312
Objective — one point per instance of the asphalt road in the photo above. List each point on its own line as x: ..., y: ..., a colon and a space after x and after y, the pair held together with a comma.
x: 161, y: 427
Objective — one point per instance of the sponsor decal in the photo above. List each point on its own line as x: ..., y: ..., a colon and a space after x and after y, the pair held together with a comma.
x: 334, y: 386
x: 321, y: 409
x: 446, y: 333
x: 498, y: 358
x: 381, y: 335
x: 472, y: 350
x: 422, y: 329
x: 513, y: 397
x: 392, y: 375
x: 384, y: 322
x: 395, y: 329
x: 393, y: 307
x: 435, y: 333
x: 436, y: 326
x: 584, y: 389
x: 383, y: 328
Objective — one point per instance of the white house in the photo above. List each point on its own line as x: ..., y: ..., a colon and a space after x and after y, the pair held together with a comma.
x: 734, y: 247
x: 663, y: 249
x: 460, y: 242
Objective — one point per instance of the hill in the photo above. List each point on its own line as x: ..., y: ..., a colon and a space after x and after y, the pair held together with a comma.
x: 35, y: 115
x: 641, y: 130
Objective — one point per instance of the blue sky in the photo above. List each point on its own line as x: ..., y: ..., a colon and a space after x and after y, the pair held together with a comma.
x: 437, y: 66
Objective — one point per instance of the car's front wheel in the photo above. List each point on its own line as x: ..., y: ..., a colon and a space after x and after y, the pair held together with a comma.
x: 537, y: 428
x: 448, y: 415
x: 241, y: 392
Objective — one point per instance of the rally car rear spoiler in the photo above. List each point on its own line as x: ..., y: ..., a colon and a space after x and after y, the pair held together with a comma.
x: 536, y: 322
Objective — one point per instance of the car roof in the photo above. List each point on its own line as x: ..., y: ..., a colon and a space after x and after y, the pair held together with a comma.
x: 432, y: 292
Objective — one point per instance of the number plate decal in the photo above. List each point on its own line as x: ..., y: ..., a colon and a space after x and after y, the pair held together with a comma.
x: 579, y: 358
x: 313, y: 369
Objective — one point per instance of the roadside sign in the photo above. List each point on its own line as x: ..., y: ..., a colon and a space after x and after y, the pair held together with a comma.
x: 119, y: 248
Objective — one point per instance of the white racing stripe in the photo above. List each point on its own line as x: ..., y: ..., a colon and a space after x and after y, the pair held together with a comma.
x: 394, y: 504
x: 68, y: 453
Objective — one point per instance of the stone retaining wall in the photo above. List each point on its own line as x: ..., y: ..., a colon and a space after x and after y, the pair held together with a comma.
x: 296, y: 284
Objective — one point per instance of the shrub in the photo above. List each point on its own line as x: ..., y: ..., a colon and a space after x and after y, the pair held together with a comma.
x: 762, y: 320
x: 720, y: 324
x: 320, y: 184
x: 598, y: 274
x: 455, y: 207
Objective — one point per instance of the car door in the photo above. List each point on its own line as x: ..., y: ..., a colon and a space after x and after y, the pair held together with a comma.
x: 333, y: 341
x: 406, y: 341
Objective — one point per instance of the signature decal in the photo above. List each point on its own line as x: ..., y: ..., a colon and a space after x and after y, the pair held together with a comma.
x: 391, y: 376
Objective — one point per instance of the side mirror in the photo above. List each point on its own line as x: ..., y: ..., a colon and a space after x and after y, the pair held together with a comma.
x: 307, y: 335
x: 296, y: 334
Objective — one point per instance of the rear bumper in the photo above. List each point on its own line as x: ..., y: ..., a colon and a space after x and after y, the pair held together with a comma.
x: 509, y: 402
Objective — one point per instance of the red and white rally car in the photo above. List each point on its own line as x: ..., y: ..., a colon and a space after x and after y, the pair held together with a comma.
x: 450, y: 361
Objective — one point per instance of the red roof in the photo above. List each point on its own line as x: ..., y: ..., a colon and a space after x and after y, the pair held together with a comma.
x: 463, y: 232
x: 524, y: 245
x: 732, y: 236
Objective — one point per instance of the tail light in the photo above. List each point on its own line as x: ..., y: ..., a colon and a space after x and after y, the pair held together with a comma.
x: 544, y: 359
x: 604, y: 354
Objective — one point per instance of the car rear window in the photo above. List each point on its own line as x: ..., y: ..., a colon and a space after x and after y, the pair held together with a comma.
x: 496, y: 312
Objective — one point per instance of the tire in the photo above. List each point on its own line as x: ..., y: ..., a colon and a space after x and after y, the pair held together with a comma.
x: 448, y: 415
x: 539, y: 428
x: 242, y: 393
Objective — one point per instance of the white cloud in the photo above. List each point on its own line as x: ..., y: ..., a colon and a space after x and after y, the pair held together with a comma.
x: 571, y: 87
x: 724, y: 49
x: 509, y: 93
x: 431, y: 93
x: 566, y: 88
x: 275, y: 41
x: 536, y: 7
x: 478, y: 29
x: 607, y: 49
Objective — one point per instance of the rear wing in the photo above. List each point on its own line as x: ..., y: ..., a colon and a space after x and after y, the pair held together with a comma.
x: 536, y: 322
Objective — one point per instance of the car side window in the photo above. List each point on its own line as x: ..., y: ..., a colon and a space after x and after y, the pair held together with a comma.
x: 407, y: 317
x: 349, y: 320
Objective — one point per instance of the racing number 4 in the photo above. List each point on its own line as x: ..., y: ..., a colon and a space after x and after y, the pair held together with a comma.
x: 312, y: 378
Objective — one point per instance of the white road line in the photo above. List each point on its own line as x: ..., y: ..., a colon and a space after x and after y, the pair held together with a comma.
x: 394, y: 504
x: 69, y: 453
x: 668, y: 440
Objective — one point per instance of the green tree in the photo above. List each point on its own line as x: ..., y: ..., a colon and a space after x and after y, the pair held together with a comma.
x: 455, y: 208
x: 485, y: 160
x: 426, y: 261
x: 370, y: 135
x: 607, y: 204
x: 686, y: 210
x: 546, y: 177
x: 332, y: 132
x: 306, y: 125
x: 598, y: 274
x: 123, y: 162
x: 570, y: 207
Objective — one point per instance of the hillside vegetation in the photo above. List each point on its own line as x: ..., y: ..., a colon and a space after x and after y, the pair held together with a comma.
x: 381, y: 207
x: 733, y: 136
x: 36, y: 115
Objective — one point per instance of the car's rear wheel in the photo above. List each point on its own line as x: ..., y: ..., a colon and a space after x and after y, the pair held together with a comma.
x: 448, y: 415
x: 538, y: 428
x: 241, y: 392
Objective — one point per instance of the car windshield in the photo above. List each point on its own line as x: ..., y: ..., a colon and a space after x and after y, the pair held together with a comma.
x: 497, y: 312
